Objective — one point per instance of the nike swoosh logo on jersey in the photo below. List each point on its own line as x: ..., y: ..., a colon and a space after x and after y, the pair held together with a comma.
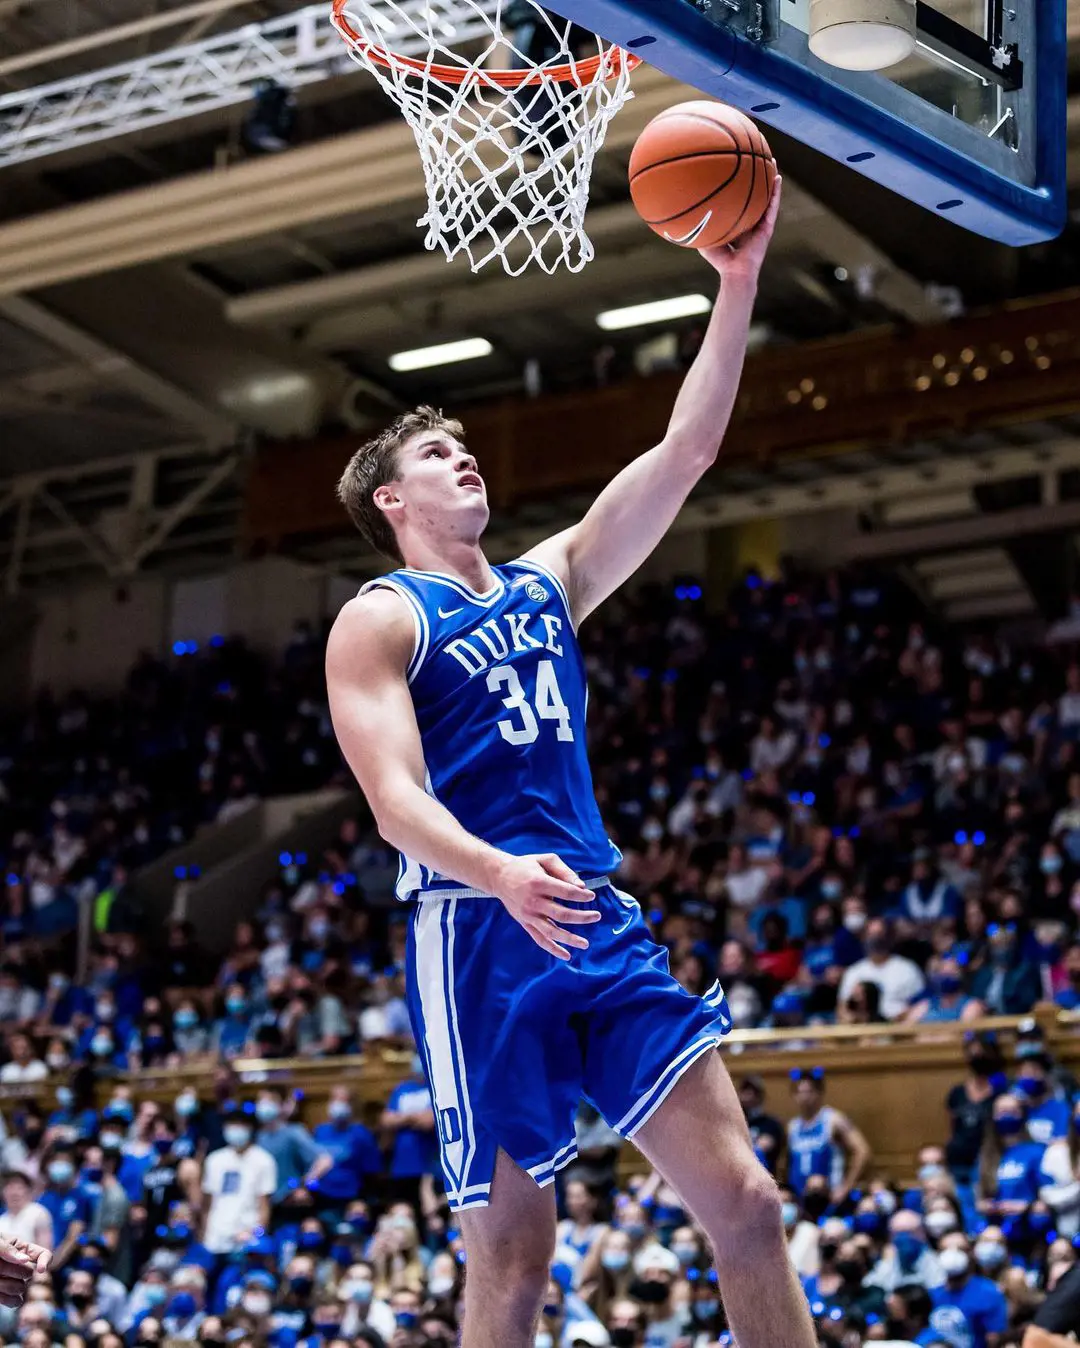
x: 450, y: 613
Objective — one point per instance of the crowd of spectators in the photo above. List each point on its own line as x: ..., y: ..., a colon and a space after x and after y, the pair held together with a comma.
x: 844, y: 812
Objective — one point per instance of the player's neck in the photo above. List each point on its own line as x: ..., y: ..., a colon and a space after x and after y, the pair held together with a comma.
x: 464, y: 561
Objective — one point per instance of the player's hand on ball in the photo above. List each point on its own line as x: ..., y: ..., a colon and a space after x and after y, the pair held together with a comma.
x: 19, y: 1261
x: 530, y: 889
x: 744, y: 257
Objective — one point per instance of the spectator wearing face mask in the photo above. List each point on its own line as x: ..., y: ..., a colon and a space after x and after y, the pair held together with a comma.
x: 299, y: 1159
x: 821, y: 1140
x: 626, y: 1324
x: 947, y: 1001
x: 899, y: 979
x: 1008, y: 984
x: 232, y: 1031
x: 362, y: 1308
x: 352, y: 1149
x: 184, y: 1310
x: 606, y: 1271
x: 907, y: 1258
x: 981, y: 1303
x: 238, y: 1181
x: 1010, y: 1168
x: 970, y: 1106
x: 66, y: 1203
x: 802, y: 1235
x: 191, y: 1038
x: 147, y: 1297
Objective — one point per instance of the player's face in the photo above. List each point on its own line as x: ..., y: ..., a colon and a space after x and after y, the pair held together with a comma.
x: 439, y: 487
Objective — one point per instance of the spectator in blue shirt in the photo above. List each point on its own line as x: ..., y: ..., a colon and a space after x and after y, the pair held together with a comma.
x: 913, y: 1319
x: 66, y: 1203
x: 410, y: 1118
x: 300, y: 1161
x: 352, y: 1148
x: 980, y: 1301
x: 829, y: 945
x: 1047, y: 1114
x: 139, y: 1154
x: 947, y: 1000
x: 1011, y: 1165
x: 230, y: 1034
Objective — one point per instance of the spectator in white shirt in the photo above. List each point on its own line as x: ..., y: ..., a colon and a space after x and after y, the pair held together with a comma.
x: 238, y: 1179
x: 22, y: 1218
x: 23, y: 1065
x: 771, y: 748
x: 899, y: 980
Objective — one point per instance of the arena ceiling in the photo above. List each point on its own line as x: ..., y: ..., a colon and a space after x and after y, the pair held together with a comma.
x: 163, y: 295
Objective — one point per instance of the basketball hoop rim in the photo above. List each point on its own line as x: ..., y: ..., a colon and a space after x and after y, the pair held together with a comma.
x: 581, y: 73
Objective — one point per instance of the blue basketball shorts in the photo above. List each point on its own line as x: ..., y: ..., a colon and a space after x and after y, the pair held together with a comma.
x: 512, y: 1037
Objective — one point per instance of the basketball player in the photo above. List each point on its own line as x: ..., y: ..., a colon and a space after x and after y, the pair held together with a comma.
x: 457, y: 690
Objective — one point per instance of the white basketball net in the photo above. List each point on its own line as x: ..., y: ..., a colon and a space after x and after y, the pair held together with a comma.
x: 507, y: 170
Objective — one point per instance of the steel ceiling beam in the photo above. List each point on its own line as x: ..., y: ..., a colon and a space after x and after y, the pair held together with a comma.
x: 116, y: 367
x: 354, y: 175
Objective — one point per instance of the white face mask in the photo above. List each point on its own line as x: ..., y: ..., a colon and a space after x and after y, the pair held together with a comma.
x: 256, y: 1303
x: 543, y: 1339
x: 954, y: 1263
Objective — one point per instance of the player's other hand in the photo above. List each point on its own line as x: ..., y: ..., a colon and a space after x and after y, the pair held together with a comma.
x: 531, y: 889
x: 743, y: 258
x: 19, y: 1261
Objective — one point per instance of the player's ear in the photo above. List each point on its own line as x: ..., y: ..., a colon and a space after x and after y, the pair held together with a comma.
x: 386, y: 497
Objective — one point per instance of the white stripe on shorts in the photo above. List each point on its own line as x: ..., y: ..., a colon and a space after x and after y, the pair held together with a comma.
x: 442, y: 1036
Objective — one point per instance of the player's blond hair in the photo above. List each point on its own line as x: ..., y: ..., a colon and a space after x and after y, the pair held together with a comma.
x: 376, y: 463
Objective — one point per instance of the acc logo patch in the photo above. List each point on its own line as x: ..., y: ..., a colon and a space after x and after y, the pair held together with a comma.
x: 536, y: 592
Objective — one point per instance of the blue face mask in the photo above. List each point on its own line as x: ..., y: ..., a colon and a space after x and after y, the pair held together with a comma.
x: 183, y: 1305
x: 1009, y: 1125
x: 1050, y: 865
x: 705, y: 1310
x: 869, y: 1223
x: 1033, y: 1087
x: 406, y: 1319
x: 908, y: 1248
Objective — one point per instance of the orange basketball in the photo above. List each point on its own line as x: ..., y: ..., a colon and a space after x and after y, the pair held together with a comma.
x: 701, y: 174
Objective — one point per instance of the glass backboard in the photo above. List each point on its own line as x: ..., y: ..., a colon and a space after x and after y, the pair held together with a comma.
x: 972, y: 126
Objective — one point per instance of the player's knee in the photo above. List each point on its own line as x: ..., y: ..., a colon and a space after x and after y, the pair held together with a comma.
x: 520, y: 1263
x: 749, y: 1215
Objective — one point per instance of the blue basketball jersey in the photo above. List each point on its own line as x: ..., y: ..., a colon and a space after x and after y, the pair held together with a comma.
x: 498, y: 685
x: 812, y: 1151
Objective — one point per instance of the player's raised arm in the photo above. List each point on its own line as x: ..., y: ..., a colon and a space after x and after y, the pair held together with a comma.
x: 366, y: 658
x: 636, y: 509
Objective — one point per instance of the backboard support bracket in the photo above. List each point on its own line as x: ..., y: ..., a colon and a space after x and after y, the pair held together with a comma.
x: 877, y: 127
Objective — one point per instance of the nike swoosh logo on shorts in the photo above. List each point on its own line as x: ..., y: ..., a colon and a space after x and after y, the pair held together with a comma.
x: 449, y: 614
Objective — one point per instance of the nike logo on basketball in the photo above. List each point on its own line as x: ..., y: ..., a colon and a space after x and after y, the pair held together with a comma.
x: 449, y: 613
x: 688, y: 240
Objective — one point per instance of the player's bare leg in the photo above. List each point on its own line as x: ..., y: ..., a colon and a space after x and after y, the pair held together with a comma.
x: 699, y: 1142
x: 508, y: 1250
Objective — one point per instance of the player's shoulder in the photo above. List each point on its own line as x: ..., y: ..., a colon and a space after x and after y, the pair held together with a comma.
x: 377, y: 619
